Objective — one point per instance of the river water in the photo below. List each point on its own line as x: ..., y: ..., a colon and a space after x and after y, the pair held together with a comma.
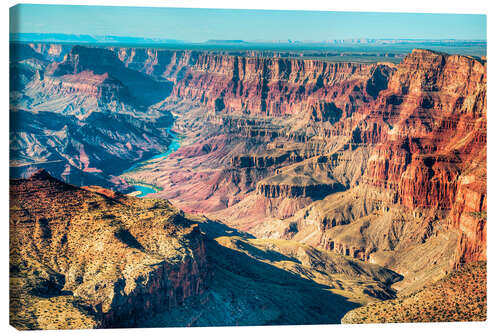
x: 145, y: 189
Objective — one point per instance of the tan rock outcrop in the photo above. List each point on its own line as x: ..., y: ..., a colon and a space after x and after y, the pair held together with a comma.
x: 122, y: 257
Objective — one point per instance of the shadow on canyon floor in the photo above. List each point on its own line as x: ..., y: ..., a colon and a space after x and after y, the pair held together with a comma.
x: 247, y: 289
x: 214, y: 229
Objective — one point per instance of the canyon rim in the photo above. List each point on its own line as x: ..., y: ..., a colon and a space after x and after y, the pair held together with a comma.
x: 168, y: 181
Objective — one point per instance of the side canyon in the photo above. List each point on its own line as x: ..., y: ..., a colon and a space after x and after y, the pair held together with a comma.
x: 299, y: 183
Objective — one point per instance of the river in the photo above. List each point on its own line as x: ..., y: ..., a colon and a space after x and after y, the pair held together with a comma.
x: 145, y: 189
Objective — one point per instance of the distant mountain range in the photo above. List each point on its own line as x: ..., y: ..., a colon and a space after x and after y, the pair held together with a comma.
x: 327, y: 178
x: 97, y: 39
x: 225, y: 41
x: 87, y: 39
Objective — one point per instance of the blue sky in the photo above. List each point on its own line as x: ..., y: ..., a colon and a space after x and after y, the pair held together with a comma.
x: 199, y: 25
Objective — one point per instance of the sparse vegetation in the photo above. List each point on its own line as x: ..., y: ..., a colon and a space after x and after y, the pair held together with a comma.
x: 479, y: 215
x: 460, y: 296
x: 267, y: 281
x: 75, y: 254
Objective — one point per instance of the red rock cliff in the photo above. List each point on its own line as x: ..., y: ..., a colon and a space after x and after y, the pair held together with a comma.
x: 422, y: 122
x: 258, y: 85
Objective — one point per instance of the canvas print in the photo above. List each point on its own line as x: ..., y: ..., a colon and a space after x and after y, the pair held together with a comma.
x: 218, y: 167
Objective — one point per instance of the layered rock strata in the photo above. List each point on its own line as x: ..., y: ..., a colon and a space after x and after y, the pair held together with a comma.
x: 414, y: 135
x: 378, y: 161
x: 111, y: 258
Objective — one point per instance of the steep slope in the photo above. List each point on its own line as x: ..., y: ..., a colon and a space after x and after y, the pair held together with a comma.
x: 80, y: 151
x: 429, y: 131
x: 259, y: 85
x: 94, y: 258
x: 90, y: 257
x: 51, y: 52
x: 142, y: 89
x: 252, y: 102
x: 74, y: 116
x: 378, y: 162
x: 265, y: 282
x: 460, y: 296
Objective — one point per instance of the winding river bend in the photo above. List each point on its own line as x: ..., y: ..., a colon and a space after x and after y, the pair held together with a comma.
x: 141, y: 190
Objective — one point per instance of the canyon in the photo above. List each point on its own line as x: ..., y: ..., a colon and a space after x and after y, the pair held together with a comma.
x: 92, y: 258
x: 309, y: 167
x: 366, y: 160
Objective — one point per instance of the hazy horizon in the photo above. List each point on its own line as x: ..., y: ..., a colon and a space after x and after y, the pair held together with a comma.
x: 199, y: 25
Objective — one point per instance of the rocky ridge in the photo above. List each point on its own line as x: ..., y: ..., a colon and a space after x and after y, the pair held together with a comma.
x: 412, y: 144
x: 103, y: 259
x: 94, y: 258
x: 378, y: 162
x: 74, y: 114
x: 447, y: 300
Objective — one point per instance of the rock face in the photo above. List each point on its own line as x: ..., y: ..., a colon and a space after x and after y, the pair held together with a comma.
x: 293, y: 191
x: 93, y: 258
x: 142, y: 89
x: 268, y: 282
x: 75, y: 115
x: 304, y: 139
x: 440, y: 115
x: 117, y: 259
x: 51, y: 51
x: 381, y: 162
x: 447, y: 300
x: 261, y: 86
